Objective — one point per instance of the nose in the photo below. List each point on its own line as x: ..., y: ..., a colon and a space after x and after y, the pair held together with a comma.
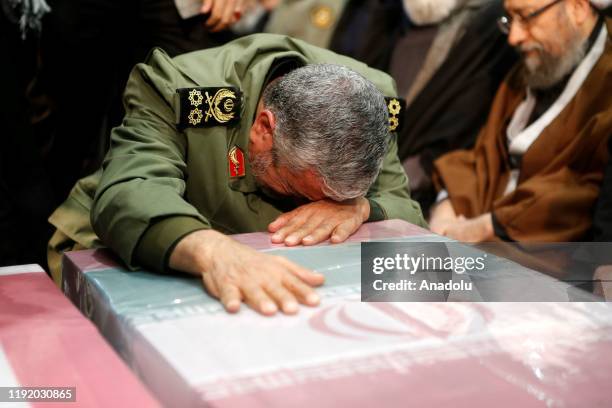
x: 517, y: 33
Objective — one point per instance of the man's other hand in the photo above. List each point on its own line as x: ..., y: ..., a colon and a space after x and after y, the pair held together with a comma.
x: 318, y: 221
x: 442, y: 217
x: 603, y: 282
x: 222, y: 13
x: 477, y: 229
x: 234, y: 273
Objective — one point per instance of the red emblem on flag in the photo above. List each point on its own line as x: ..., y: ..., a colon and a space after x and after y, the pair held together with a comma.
x: 235, y: 158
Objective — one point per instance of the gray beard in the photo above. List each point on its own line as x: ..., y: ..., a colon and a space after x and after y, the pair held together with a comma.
x: 259, y: 163
x: 553, y: 69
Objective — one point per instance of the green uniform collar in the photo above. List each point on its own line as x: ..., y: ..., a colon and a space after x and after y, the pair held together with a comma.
x: 250, y: 75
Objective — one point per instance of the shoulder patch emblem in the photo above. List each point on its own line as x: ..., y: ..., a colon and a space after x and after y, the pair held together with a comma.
x: 208, y: 107
x: 235, y: 159
x: 396, y: 107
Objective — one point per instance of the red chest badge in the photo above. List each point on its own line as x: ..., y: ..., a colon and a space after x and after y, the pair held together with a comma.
x: 235, y: 158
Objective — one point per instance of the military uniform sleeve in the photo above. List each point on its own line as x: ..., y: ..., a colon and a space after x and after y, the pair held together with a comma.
x: 389, y: 197
x: 143, y: 181
x: 157, y: 243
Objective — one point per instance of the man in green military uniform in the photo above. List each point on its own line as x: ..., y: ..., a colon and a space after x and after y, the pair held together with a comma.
x: 260, y: 134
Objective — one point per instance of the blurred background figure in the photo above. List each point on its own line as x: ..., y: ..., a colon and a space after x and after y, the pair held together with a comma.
x: 25, y: 195
x: 313, y: 21
x: 68, y: 62
x: 602, y: 220
x: 463, y: 59
x: 88, y: 50
x: 535, y: 172
x: 366, y: 30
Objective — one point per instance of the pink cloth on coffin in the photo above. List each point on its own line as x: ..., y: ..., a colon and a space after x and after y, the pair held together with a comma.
x: 49, y: 343
x: 349, y: 353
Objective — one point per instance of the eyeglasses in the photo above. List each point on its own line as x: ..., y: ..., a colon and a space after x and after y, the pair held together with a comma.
x: 505, y: 22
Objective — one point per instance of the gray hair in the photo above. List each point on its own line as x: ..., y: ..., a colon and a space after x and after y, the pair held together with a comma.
x: 332, y: 120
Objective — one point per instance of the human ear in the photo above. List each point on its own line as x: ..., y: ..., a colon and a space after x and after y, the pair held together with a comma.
x: 262, y: 131
x: 580, y: 10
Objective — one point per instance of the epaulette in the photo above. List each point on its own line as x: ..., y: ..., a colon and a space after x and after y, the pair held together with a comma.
x: 207, y: 107
x: 396, y: 107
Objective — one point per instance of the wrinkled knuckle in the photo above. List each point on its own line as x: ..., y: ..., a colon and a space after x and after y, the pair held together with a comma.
x: 225, y: 281
x: 288, y: 283
x: 281, y: 219
x: 327, y: 227
x: 293, y: 286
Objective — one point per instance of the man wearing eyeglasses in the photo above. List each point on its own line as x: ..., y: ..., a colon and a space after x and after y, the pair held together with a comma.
x: 535, y: 170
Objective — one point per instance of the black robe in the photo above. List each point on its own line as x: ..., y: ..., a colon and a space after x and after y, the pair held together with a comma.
x: 368, y: 31
x: 448, y: 113
x: 602, y: 220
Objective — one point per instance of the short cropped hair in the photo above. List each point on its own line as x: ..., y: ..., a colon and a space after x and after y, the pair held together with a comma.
x: 332, y: 120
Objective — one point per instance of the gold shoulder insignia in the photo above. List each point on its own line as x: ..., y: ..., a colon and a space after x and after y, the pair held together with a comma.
x: 396, y: 107
x: 208, y: 107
